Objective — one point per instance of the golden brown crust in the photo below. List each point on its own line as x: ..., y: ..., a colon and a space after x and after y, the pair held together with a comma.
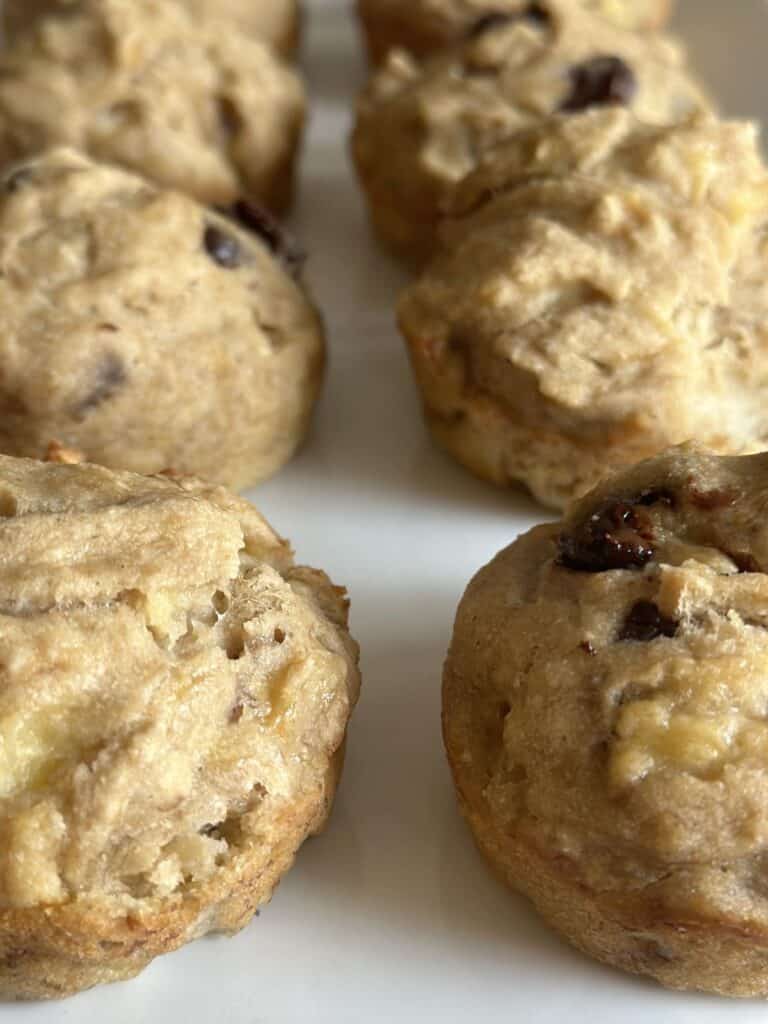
x: 687, y: 955
x: 52, y: 952
x: 57, y: 452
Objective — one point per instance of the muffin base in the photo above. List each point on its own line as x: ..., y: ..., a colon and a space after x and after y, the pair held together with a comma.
x: 687, y: 955
x: 484, y: 435
x: 56, y: 951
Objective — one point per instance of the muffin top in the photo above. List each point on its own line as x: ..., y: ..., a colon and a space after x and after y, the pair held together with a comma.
x: 191, y: 103
x: 171, y: 683
x: 431, y: 24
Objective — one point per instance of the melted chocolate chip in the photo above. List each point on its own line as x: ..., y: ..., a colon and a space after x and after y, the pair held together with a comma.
x: 109, y: 378
x: 645, y: 623
x: 223, y: 249
x: 616, y: 537
x: 261, y: 223
x: 655, y: 496
x: 19, y: 179
x: 495, y: 19
x: 486, y: 22
x: 602, y: 81
x: 588, y: 647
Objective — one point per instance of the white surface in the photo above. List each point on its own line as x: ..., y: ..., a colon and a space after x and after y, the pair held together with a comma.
x: 391, y: 915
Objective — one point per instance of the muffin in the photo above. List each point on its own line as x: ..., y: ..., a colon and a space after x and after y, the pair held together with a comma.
x: 424, y: 26
x: 604, y: 702
x: 148, y: 331
x: 422, y: 127
x: 173, y: 704
x: 601, y: 296
x: 193, y: 104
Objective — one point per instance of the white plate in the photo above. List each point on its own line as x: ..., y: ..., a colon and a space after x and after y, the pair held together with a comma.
x: 391, y: 915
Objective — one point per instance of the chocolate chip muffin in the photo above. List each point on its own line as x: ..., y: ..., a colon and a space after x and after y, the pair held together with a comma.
x: 421, y: 128
x: 604, y: 716
x: 173, y: 704
x: 276, y: 22
x: 424, y: 26
x: 146, y: 330
x: 191, y: 103
x: 601, y: 296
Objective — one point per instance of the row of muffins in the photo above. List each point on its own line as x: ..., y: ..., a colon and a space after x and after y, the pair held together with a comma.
x: 590, y: 238
x: 175, y: 690
x: 594, y: 292
x: 147, y: 288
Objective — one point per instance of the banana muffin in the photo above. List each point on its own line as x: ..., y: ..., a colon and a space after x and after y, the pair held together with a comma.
x: 193, y: 104
x: 604, y: 716
x: 602, y: 295
x: 174, y: 698
x: 148, y: 331
x: 422, y: 127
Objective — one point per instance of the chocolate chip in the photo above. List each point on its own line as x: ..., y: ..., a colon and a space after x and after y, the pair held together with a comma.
x: 261, y: 223
x: 495, y: 19
x: 109, y: 378
x: 230, y: 117
x: 602, y: 81
x: 617, y: 536
x: 588, y: 647
x: 537, y: 13
x: 224, y: 249
x: 655, y: 496
x: 486, y: 22
x: 645, y: 623
x: 19, y: 179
